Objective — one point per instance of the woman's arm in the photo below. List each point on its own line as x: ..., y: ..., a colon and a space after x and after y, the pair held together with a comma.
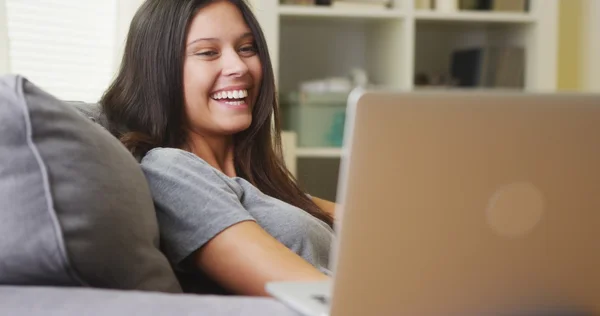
x: 325, y: 205
x: 244, y: 257
x: 201, y: 219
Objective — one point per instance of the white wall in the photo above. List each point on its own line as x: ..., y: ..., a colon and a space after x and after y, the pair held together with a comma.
x: 4, y: 66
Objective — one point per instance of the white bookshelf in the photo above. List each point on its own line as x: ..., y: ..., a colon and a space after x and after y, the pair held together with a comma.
x: 482, y: 17
x: 309, y: 42
x: 328, y: 12
x: 393, y: 45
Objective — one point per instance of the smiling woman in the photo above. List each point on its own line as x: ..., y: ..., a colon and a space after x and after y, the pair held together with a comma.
x: 220, y: 63
x: 195, y: 101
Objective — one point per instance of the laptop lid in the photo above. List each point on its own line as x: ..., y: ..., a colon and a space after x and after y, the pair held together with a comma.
x: 468, y: 203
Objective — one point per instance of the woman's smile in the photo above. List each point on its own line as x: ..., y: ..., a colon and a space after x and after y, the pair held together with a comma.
x: 232, y: 97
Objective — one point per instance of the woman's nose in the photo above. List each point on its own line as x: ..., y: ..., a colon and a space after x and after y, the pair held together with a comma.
x: 234, y: 65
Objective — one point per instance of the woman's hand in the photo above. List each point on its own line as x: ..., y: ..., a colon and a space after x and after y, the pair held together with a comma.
x: 244, y: 257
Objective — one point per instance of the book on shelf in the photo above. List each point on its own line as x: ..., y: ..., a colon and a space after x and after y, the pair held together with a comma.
x: 424, y: 4
x: 510, y: 5
x: 489, y: 67
x: 469, y: 5
x: 465, y: 67
x: 509, y: 68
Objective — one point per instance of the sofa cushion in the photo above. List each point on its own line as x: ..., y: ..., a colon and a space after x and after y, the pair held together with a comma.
x: 75, y: 207
x: 92, y: 111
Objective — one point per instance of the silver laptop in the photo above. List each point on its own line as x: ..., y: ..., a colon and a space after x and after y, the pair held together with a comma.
x: 464, y: 203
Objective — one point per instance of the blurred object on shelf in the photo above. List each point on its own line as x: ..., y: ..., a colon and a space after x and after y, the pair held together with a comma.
x: 480, y: 67
x: 421, y: 79
x: 446, y: 5
x: 439, y: 79
x: 509, y: 69
x: 510, y: 5
x: 297, y: 2
x: 323, y: 2
x: 435, y: 80
x: 318, y: 118
x: 362, y: 4
x: 492, y: 67
x: 495, y: 5
x: 469, y: 5
x: 424, y: 4
x: 359, y: 78
x: 317, y: 111
x: 333, y: 84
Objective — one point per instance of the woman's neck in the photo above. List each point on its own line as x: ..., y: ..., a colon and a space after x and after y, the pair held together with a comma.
x: 216, y: 151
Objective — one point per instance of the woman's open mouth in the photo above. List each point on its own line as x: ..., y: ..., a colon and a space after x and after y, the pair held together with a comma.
x: 231, y: 97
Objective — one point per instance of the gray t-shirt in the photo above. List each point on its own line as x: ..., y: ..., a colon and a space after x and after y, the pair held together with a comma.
x: 194, y: 202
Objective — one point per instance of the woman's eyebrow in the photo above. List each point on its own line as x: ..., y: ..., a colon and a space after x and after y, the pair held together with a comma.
x: 245, y: 35
x: 210, y: 39
x: 214, y: 39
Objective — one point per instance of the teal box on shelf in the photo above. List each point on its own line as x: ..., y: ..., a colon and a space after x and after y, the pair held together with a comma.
x: 318, y: 119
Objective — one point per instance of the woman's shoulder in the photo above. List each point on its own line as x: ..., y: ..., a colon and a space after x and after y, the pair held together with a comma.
x: 164, y: 155
x: 177, y: 163
x: 182, y: 167
x: 174, y: 158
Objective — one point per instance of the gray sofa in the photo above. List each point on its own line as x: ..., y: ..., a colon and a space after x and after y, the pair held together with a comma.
x: 78, y: 230
x: 33, y: 301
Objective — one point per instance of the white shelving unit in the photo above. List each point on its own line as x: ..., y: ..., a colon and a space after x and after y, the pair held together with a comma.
x: 484, y: 17
x: 309, y: 42
x: 319, y: 12
x: 393, y: 45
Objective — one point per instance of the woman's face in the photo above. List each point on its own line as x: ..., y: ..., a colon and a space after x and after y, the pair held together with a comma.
x: 221, y: 73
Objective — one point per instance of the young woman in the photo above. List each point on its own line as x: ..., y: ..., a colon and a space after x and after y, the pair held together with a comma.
x: 195, y: 100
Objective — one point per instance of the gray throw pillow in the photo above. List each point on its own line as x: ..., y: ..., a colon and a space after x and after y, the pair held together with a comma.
x: 75, y: 208
x: 92, y: 111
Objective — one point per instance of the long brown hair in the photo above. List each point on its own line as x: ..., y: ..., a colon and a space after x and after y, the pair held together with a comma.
x: 145, y: 103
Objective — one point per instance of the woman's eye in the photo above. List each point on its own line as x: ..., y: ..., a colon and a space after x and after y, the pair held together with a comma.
x: 248, y: 49
x: 208, y: 53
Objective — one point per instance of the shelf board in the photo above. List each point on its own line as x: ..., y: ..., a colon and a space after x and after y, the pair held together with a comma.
x: 316, y: 152
x: 329, y: 12
x: 470, y: 16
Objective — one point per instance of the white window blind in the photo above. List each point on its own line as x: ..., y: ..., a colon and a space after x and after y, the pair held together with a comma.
x: 67, y: 47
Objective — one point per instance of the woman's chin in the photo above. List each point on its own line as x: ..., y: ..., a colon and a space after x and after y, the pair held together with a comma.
x: 238, y: 127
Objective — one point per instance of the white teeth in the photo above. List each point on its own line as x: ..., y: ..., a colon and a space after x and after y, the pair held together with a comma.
x: 234, y: 94
x: 235, y: 103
